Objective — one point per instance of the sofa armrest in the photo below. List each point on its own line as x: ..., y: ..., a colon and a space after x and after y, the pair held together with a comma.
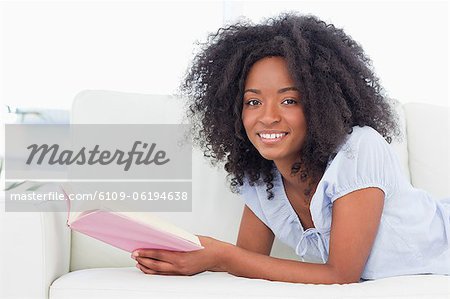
x: 35, y: 251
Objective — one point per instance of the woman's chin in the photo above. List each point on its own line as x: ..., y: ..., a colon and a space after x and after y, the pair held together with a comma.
x: 278, y: 156
x: 271, y: 156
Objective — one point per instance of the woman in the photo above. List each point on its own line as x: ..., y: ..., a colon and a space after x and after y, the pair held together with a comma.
x: 294, y: 108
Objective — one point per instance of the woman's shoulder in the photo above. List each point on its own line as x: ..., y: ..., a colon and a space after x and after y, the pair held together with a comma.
x: 363, y: 160
x: 361, y: 144
x: 364, y: 135
x: 361, y: 139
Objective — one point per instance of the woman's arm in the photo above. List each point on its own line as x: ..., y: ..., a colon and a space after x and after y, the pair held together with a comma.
x: 356, y: 217
x: 254, y: 235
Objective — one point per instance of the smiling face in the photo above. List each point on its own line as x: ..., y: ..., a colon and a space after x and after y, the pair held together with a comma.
x: 272, y: 115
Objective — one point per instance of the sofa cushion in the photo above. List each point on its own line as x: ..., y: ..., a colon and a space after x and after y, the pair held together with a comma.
x: 428, y: 129
x: 132, y: 283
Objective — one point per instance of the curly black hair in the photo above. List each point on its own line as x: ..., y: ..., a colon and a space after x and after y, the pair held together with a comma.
x: 334, y: 76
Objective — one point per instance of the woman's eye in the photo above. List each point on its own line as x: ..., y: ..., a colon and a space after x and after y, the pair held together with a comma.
x: 290, y: 101
x: 252, y: 102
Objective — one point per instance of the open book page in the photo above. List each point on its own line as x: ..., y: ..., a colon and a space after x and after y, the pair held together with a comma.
x: 151, y: 220
x: 144, y: 218
x: 79, y: 208
x: 67, y: 189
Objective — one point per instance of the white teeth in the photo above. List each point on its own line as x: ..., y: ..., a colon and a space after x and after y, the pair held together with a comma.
x: 272, y: 136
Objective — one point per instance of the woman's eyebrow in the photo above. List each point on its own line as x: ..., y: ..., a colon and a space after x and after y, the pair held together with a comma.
x: 257, y: 91
x: 287, y: 89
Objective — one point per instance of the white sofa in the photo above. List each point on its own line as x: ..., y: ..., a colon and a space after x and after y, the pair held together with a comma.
x: 43, y: 259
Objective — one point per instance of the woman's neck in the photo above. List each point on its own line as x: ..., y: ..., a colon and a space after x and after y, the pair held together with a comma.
x: 291, y: 181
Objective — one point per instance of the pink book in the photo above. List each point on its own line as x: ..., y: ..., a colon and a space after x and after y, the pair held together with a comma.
x: 131, y: 230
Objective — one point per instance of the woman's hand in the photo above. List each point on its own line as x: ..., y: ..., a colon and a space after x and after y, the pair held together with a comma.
x: 165, y: 262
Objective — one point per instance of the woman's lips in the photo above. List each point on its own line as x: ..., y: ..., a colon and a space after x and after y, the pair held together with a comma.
x: 272, y: 138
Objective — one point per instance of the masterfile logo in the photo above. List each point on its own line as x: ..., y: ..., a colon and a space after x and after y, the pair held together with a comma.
x: 149, y: 167
x: 54, y: 155
x: 123, y: 152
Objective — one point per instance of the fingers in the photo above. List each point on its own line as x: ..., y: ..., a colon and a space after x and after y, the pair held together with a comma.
x: 155, y: 265
x: 158, y: 254
x: 164, y: 262
x: 155, y: 260
x: 145, y: 269
x: 150, y: 271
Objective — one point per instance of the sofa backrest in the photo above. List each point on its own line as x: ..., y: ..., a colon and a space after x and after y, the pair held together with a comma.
x: 428, y: 134
x: 216, y: 211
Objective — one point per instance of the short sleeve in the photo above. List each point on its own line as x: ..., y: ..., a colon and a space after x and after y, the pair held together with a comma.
x: 252, y: 200
x: 364, y: 160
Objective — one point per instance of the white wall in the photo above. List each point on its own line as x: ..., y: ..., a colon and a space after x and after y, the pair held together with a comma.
x: 52, y: 50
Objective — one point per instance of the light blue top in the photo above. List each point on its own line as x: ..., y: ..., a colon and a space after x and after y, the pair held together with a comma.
x: 414, y: 232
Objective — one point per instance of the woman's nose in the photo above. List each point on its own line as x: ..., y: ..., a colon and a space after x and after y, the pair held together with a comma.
x: 270, y: 114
